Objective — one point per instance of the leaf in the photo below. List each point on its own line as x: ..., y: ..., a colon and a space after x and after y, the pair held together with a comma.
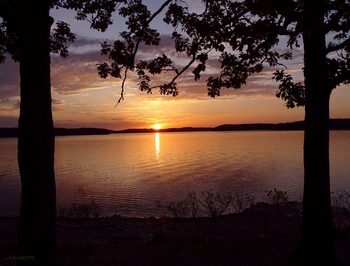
x: 292, y: 93
x: 61, y: 35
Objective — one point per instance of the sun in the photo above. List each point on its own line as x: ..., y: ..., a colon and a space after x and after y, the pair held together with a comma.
x: 156, y: 126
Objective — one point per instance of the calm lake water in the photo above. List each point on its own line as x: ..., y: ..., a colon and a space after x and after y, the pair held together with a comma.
x: 128, y: 173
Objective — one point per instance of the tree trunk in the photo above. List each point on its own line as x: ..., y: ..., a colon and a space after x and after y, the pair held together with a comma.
x: 316, y: 247
x: 37, y: 234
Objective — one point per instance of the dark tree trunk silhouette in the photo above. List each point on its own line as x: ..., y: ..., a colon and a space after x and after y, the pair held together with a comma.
x: 316, y: 245
x: 37, y: 236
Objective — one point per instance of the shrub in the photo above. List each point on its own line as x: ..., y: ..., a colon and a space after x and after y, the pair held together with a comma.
x: 215, y: 204
x: 242, y: 201
x: 211, y: 204
x: 276, y: 197
x: 80, y: 210
x: 193, y: 204
x: 177, y: 208
x: 340, y: 198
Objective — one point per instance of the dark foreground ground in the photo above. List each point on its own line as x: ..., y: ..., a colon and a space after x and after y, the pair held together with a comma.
x: 263, y: 235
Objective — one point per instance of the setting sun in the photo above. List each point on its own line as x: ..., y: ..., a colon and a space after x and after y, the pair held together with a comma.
x: 156, y: 126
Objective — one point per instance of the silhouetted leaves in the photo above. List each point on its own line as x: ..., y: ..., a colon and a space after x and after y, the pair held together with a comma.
x: 97, y: 12
x: 61, y: 34
x: 2, y: 42
x: 292, y: 93
x: 245, y: 34
x: 8, y: 42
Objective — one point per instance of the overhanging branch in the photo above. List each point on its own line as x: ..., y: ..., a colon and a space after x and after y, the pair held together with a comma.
x: 339, y: 46
x: 344, y: 77
x: 340, y: 9
x: 137, y: 47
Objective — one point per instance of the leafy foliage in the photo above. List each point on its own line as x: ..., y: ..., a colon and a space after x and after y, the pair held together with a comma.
x: 61, y: 34
x: 243, y: 37
x: 8, y: 42
x: 98, y: 13
x: 292, y: 93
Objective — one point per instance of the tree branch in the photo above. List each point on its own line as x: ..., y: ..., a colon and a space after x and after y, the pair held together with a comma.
x: 146, y: 25
x: 184, y: 69
x: 338, y: 47
x: 342, y: 9
x: 158, y: 11
x: 137, y: 47
x: 344, y: 77
x: 123, y: 87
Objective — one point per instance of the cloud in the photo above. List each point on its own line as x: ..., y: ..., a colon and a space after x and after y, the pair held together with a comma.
x: 101, y: 119
x: 9, y: 82
x: 9, y: 73
x: 9, y: 104
x: 82, y: 41
x: 57, y: 102
x: 76, y: 73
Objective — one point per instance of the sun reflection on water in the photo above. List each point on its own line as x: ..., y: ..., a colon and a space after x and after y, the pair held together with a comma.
x: 157, y: 140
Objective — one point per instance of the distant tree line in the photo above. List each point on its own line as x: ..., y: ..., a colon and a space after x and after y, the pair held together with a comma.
x: 335, y: 124
x: 13, y: 132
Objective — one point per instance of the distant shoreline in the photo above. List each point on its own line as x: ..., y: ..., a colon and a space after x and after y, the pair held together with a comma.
x: 334, y: 124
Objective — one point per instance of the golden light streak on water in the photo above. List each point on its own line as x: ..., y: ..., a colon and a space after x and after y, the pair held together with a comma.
x: 157, y: 141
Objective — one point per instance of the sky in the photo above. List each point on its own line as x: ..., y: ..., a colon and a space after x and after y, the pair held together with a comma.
x: 80, y: 98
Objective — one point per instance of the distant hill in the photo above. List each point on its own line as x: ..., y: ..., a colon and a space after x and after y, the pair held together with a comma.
x: 334, y: 124
x: 151, y: 130
x: 13, y: 132
x: 299, y: 125
x: 8, y: 132
x: 81, y: 131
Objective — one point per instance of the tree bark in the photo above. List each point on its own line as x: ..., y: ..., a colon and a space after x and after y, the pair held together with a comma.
x: 37, y: 233
x: 316, y: 246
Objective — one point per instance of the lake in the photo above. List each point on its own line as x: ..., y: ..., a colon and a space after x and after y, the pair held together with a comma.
x: 128, y: 173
